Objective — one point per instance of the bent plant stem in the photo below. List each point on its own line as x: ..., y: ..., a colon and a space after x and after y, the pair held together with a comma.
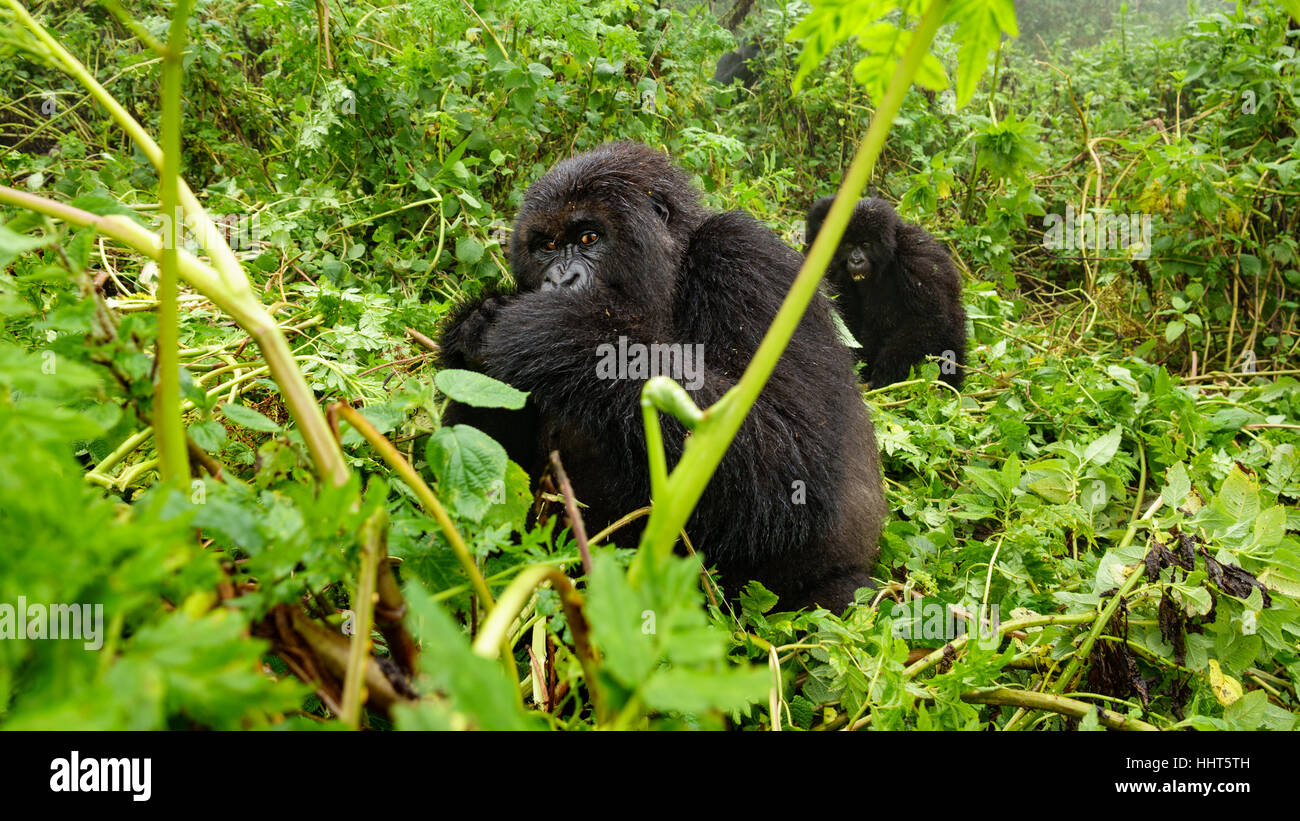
x: 224, y: 282
x: 374, y: 534
x: 676, y: 495
x: 403, y: 469
x: 493, y: 636
x: 240, y: 303
x: 170, y: 430
x: 1027, y: 699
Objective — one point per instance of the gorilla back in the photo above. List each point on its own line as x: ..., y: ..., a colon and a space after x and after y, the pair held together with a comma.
x: 612, y: 251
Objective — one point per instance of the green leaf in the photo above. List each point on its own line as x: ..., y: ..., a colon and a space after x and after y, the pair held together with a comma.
x: 474, y: 690
x: 208, y: 435
x: 1177, y: 485
x: 246, y: 417
x: 469, y: 465
x: 693, y: 691
x: 469, y: 250
x: 478, y: 390
x: 1103, y: 449
x: 1055, y: 487
x: 756, y: 599
x: 616, y: 614
x: 13, y: 244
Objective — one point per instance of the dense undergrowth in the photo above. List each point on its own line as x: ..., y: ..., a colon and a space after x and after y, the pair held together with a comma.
x: 1115, y: 487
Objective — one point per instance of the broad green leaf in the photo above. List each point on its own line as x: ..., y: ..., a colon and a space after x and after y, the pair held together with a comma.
x: 469, y: 464
x: 1103, y: 449
x: 469, y: 250
x: 692, y: 691
x: 478, y: 390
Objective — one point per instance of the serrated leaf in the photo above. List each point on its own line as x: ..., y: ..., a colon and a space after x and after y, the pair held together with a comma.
x: 1177, y: 486
x: 469, y: 464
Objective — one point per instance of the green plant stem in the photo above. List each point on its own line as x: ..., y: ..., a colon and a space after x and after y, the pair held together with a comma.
x: 403, y: 469
x: 374, y: 532
x: 211, y: 239
x: 169, y: 429
x: 1085, y: 649
x: 142, y: 34
x: 493, y: 636
x: 1029, y: 700
x: 958, y: 643
x: 716, y: 426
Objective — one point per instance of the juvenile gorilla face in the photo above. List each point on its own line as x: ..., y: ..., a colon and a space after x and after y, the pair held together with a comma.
x: 617, y: 218
x: 870, y: 241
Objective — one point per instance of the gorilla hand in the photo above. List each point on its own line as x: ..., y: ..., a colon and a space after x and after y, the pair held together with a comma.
x: 462, y: 342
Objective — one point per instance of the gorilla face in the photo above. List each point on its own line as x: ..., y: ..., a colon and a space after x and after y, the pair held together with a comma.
x: 857, y: 259
x: 572, y: 256
x: 870, y: 241
x: 616, y: 219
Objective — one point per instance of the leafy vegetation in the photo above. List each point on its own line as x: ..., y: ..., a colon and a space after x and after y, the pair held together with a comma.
x: 1113, y: 496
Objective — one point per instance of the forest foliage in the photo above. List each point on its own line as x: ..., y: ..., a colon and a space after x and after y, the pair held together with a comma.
x: 1115, y: 488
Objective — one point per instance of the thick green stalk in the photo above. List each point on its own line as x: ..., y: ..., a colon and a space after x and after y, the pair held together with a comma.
x: 717, y: 425
x: 169, y: 429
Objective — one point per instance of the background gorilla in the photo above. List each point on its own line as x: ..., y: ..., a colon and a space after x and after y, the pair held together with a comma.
x: 614, y: 243
x: 899, y: 293
x: 735, y: 65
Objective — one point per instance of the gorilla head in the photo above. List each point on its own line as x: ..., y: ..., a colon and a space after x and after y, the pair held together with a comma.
x: 870, y: 241
x: 616, y: 218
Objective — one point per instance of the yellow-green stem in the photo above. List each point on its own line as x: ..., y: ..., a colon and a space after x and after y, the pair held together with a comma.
x: 398, y: 463
x: 242, y: 305
x: 492, y: 638
x: 170, y: 431
x: 374, y: 531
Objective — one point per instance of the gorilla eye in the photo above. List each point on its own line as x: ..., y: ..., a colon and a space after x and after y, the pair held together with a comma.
x: 589, y: 237
x: 549, y: 245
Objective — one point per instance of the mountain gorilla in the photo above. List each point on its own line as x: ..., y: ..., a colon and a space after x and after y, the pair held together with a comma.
x: 899, y: 293
x: 612, y: 249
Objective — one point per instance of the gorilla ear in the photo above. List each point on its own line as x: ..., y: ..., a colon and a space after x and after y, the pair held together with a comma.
x: 660, y: 207
x: 816, y: 216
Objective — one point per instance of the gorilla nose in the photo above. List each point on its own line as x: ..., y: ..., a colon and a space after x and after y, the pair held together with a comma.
x: 856, y: 258
x: 560, y: 278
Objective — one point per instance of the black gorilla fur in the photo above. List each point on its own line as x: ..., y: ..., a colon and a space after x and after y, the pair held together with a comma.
x: 615, y: 243
x: 899, y: 293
